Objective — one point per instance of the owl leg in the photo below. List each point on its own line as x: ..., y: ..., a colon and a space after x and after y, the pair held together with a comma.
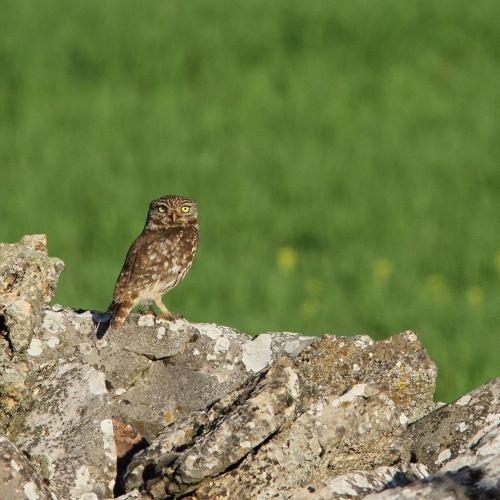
x: 120, y: 312
x: 149, y: 309
x: 165, y: 313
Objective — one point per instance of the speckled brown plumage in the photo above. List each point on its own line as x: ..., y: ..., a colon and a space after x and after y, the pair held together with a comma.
x: 159, y: 258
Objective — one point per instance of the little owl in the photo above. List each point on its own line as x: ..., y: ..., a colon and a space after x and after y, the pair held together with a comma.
x: 158, y: 259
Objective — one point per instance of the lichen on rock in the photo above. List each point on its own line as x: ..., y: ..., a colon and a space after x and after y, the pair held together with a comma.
x: 19, y: 479
x: 28, y: 277
x: 161, y: 409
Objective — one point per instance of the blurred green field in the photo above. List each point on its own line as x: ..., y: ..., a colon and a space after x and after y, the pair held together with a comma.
x: 345, y: 157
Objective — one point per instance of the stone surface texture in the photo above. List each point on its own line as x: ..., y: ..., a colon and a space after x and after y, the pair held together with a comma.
x: 18, y: 478
x: 337, y: 434
x: 159, y: 372
x: 162, y: 409
x: 473, y: 473
x: 359, y: 484
x: 445, y: 433
x: 28, y: 277
x: 68, y: 429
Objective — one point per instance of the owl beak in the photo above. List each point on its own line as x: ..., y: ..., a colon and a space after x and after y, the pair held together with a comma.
x: 173, y: 216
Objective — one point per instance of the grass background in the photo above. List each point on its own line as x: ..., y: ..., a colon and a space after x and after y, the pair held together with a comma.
x: 344, y: 155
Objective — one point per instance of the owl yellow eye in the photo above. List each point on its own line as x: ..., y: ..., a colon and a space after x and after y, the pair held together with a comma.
x: 185, y: 209
x: 161, y: 209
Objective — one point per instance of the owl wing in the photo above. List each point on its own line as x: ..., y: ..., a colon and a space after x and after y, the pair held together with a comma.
x: 143, y: 257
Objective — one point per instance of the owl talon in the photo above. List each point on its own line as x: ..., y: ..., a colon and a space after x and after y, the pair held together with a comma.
x: 169, y: 316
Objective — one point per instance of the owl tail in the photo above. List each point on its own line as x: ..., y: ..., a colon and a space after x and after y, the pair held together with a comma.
x: 119, y: 312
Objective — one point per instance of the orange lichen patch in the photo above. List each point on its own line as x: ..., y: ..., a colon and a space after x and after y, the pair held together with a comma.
x: 8, y: 402
x: 168, y: 416
x: 400, y: 385
x: 125, y: 437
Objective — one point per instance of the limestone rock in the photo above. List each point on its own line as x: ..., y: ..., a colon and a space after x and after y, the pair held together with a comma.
x: 336, y: 400
x: 473, y: 474
x: 358, y: 484
x: 267, y: 408
x: 438, y: 489
x: 27, y: 281
x: 399, y: 366
x: 67, y: 429
x: 479, y: 467
x: 148, y: 465
x: 357, y: 430
x: 444, y: 434
x: 18, y: 478
x: 13, y: 389
x: 159, y: 371
x: 216, y: 439
x: 203, y: 411
x: 134, y: 495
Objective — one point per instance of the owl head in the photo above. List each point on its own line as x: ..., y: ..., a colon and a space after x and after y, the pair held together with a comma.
x: 171, y: 211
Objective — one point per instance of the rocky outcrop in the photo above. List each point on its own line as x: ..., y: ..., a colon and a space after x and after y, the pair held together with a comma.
x: 67, y: 429
x: 337, y: 434
x: 447, y: 432
x: 162, y: 409
x: 359, y: 484
x: 28, y: 277
x: 18, y: 478
x: 325, y: 421
x: 159, y: 372
x: 473, y: 473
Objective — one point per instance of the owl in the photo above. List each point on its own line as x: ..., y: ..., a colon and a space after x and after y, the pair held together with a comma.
x: 158, y: 259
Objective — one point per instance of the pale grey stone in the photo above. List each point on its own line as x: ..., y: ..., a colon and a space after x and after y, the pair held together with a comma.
x: 68, y: 430
x: 133, y: 495
x: 212, y: 443
x: 265, y: 410
x: 159, y: 371
x: 358, y: 484
x: 475, y: 473
x: 443, y: 434
x: 226, y: 415
x: 19, y: 480
x: 28, y: 277
x: 311, y: 444
x: 399, y: 366
x: 357, y: 430
x: 27, y: 282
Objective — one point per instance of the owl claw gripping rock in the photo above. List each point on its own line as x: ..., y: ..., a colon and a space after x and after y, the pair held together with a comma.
x: 158, y: 259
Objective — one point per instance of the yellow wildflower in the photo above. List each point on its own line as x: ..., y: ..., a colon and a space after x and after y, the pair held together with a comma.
x: 313, y: 286
x: 475, y: 295
x: 382, y: 269
x: 309, y: 308
x: 435, y: 284
x: 287, y: 258
x: 496, y: 261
